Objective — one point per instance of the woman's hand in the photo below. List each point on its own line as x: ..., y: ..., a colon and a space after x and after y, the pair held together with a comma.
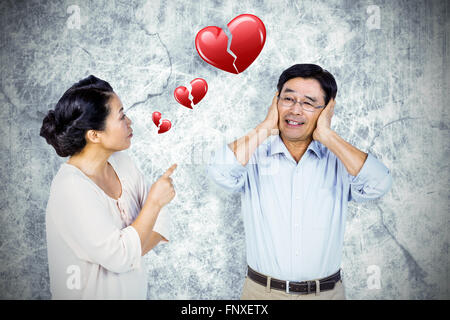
x: 162, y: 191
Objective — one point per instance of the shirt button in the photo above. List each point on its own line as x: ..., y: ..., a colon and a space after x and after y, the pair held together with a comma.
x: 296, y: 253
x: 297, y: 196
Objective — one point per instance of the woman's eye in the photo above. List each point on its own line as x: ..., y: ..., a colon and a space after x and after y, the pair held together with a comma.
x: 288, y: 99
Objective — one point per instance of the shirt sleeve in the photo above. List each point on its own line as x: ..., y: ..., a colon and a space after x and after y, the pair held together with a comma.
x: 372, y: 182
x: 84, y: 222
x: 225, y: 170
x: 162, y: 224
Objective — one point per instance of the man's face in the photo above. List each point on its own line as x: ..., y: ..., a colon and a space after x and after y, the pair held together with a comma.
x: 309, y: 92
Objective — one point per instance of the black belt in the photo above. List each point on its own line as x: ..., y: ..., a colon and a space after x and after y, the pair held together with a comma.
x: 306, y: 287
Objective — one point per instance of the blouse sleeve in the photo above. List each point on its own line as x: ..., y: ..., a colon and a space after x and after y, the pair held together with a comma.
x: 162, y: 224
x: 83, y: 219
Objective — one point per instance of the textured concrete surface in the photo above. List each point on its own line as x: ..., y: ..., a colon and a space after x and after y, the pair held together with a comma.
x: 391, y: 62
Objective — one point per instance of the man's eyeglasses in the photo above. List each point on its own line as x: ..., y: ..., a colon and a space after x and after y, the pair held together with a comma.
x: 290, y: 102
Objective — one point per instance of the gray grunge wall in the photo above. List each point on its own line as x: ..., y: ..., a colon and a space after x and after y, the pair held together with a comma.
x: 391, y: 62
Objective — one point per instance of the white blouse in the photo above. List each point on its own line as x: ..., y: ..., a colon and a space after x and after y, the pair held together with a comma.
x: 93, y: 252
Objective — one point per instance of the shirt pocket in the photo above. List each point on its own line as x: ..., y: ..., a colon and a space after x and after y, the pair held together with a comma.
x: 323, y: 212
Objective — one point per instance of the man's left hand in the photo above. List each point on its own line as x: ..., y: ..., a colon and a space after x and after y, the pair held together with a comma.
x: 324, y: 121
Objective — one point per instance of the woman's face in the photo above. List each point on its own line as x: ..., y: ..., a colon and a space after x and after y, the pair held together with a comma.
x: 118, y: 133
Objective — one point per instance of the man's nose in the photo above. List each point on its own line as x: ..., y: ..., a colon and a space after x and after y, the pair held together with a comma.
x: 297, y: 108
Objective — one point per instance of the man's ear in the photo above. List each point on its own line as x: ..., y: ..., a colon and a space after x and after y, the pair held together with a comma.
x: 92, y: 136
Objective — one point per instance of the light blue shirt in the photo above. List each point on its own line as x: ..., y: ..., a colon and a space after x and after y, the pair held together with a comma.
x: 294, y: 214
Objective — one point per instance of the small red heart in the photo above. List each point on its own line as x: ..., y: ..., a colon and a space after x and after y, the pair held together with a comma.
x: 156, y: 117
x: 164, y: 125
x: 249, y: 36
x: 199, y: 89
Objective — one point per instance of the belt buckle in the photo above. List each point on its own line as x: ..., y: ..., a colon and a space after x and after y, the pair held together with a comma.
x: 308, y: 283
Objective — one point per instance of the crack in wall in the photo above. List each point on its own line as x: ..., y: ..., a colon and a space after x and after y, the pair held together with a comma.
x: 386, y: 125
x: 150, y: 96
x: 88, y: 53
x: 414, y: 270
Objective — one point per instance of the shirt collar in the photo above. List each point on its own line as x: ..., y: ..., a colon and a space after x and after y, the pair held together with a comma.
x: 277, y: 146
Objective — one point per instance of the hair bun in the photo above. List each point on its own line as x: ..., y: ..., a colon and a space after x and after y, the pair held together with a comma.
x: 48, y: 128
x: 82, y: 107
x: 51, y: 117
x: 51, y: 120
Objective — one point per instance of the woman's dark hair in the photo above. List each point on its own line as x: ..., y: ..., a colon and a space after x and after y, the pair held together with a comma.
x: 310, y: 71
x: 81, y: 108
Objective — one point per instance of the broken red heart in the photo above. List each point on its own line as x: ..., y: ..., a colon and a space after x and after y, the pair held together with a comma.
x: 163, y: 126
x: 199, y: 89
x: 156, y: 117
x: 182, y: 96
x: 248, y: 38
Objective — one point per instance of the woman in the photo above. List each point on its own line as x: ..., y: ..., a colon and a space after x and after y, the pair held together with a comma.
x: 101, y: 217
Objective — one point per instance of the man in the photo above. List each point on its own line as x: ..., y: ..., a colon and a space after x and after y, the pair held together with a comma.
x: 294, y: 189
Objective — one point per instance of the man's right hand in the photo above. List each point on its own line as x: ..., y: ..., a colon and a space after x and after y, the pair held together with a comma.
x: 270, y: 123
x: 162, y: 191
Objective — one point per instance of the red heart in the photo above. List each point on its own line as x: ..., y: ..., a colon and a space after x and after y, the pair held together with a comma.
x: 182, y: 96
x: 156, y: 117
x: 199, y: 89
x: 163, y: 126
x: 249, y: 36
